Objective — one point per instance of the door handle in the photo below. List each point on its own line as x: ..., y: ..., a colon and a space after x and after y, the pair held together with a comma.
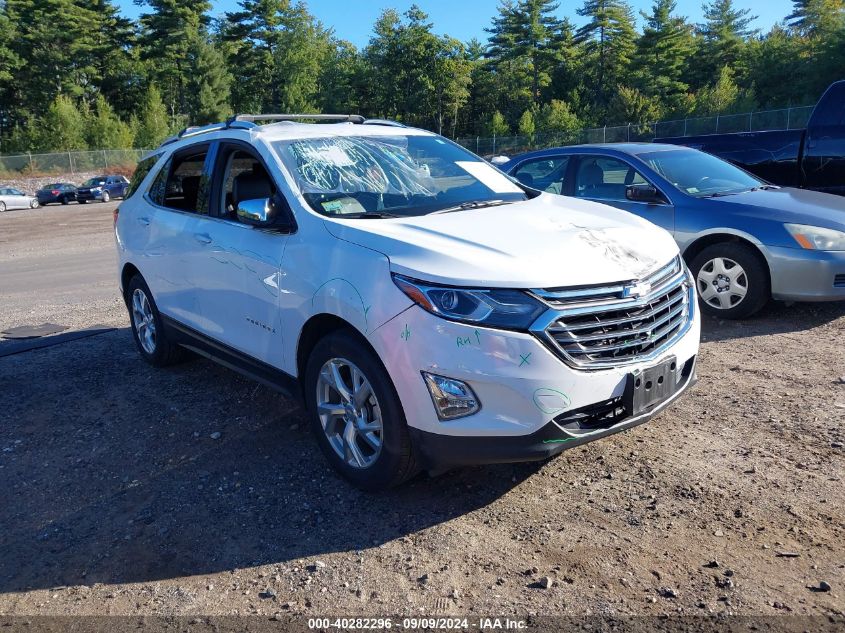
x: 144, y: 221
x: 202, y: 238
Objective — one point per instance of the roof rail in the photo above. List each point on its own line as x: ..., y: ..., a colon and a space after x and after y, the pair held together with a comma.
x: 247, y: 121
x: 252, y: 118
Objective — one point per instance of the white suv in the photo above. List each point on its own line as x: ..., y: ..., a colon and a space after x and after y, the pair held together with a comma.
x: 430, y: 311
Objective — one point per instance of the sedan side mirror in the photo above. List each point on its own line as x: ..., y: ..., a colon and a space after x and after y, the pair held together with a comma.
x: 263, y: 213
x: 643, y: 193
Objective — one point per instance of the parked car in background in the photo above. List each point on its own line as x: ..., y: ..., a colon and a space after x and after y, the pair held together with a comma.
x: 745, y: 240
x: 813, y: 158
x: 102, y: 188
x: 11, y: 198
x: 430, y: 311
x: 60, y: 192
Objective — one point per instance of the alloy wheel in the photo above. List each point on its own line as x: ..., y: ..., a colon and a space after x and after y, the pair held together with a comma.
x: 722, y: 283
x: 349, y: 413
x: 144, y: 321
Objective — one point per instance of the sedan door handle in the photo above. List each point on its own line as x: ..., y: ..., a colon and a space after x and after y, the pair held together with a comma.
x: 144, y: 221
x: 202, y: 238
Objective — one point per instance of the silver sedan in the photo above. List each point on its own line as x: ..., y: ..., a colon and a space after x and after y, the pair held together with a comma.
x: 11, y: 198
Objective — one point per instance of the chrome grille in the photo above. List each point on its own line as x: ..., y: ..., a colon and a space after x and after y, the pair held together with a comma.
x: 608, y: 326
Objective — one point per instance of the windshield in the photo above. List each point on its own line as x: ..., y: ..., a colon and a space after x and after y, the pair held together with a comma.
x: 405, y: 175
x: 699, y: 174
x: 94, y: 182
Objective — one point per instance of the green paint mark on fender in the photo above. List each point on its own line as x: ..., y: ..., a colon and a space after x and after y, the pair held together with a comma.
x: 406, y: 333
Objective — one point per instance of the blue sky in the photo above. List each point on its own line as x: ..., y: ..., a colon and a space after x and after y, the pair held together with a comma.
x: 464, y: 19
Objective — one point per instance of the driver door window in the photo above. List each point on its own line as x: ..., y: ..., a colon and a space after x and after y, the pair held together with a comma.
x: 604, y: 178
x: 244, y: 178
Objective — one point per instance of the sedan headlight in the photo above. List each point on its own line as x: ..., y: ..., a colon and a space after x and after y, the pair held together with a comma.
x: 817, y: 238
x: 508, y: 309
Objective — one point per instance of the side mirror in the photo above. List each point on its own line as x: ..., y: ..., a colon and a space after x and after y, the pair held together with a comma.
x: 643, y: 193
x: 259, y: 212
x: 264, y: 213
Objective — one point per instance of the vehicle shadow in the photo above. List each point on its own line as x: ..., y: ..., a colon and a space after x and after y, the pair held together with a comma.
x: 111, y: 473
x: 775, y: 318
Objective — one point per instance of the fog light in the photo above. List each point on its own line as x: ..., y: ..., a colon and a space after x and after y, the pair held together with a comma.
x: 452, y: 398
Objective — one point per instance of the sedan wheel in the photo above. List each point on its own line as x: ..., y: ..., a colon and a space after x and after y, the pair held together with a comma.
x: 2, y: 207
x: 722, y: 283
x: 144, y: 321
x: 732, y: 280
x: 34, y: 204
x: 349, y: 413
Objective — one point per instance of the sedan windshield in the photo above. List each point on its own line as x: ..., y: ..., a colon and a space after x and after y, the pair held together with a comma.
x: 392, y: 176
x: 699, y: 174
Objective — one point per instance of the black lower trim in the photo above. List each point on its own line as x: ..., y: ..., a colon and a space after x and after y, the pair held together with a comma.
x: 437, y: 451
x: 235, y: 360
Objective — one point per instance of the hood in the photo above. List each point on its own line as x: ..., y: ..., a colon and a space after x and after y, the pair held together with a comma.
x: 796, y: 206
x: 548, y: 242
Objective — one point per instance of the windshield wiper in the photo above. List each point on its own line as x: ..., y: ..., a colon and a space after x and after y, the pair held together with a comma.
x: 472, y: 204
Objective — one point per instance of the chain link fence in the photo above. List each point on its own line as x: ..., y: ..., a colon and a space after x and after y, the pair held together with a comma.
x: 63, y: 163
x: 784, y: 119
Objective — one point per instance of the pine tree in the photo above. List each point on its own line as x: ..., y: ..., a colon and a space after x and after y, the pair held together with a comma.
x: 61, y: 128
x: 608, y: 38
x: 663, y: 51
x: 816, y: 17
x: 723, y: 39
x: 208, y: 84
x: 104, y: 130
x: 166, y: 38
x: 278, y: 50
x: 153, y: 121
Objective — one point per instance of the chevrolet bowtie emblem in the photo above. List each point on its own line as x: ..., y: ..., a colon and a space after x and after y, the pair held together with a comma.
x: 636, y: 290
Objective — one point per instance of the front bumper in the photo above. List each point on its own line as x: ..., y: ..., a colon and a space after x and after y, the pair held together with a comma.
x: 522, y: 385
x: 805, y: 275
x: 89, y: 195
x: 438, y: 451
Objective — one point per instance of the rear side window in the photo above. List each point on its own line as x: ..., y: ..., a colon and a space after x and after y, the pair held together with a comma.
x: 545, y: 174
x: 182, y: 183
x: 141, y: 172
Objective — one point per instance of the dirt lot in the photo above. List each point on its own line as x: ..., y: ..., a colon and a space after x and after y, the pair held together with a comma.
x: 117, y: 499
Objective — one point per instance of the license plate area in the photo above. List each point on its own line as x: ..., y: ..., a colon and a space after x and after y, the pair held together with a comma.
x: 651, y: 386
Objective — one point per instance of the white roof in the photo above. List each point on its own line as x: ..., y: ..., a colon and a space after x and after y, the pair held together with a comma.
x: 289, y: 130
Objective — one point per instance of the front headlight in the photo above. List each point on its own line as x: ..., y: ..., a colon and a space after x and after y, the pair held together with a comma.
x: 817, y: 238
x: 508, y: 309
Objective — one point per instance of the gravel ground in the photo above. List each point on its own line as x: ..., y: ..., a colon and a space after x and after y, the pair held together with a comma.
x: 191, y: 490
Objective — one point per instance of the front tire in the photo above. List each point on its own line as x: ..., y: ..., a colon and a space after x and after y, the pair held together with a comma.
x: 732, y: 280
x: 2, y: 207
x: 106, y: 196
x: 356, y: 414
x: 148, y: 327
x: 64, y: 200
x: 82, y: 201
x: 34, y: 204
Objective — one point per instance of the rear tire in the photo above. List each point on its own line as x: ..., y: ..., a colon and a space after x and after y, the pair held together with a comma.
x: 82, y: 201
x: 347, y: 427
x: 732, y: 280
x: 148, y: 327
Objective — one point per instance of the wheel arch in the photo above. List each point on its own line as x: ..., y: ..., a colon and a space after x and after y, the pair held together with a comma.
x: 128, y: 272
x: 699, y: 244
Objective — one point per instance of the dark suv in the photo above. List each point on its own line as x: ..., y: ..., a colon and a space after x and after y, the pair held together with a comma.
x: 102, y: 188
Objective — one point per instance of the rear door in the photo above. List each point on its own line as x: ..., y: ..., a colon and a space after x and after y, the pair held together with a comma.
x: 240, y: 267
x: 603, y: 179
x: 173, y: 224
